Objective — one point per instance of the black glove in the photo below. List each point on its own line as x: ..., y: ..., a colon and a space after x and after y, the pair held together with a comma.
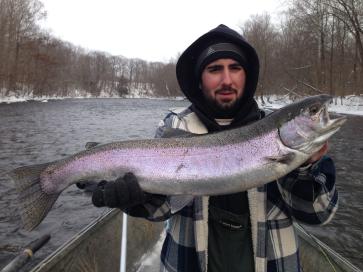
x: 122, y: 193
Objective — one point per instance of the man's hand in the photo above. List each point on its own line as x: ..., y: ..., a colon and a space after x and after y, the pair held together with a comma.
x: 122, y: 193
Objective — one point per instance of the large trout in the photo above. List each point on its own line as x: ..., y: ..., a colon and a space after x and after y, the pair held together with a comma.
x: 212, y: 164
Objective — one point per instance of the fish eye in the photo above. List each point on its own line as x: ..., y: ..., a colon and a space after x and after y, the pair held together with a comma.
x: 314, y: 109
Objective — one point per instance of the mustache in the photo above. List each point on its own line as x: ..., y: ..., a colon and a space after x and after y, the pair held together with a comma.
x: 228, y: 89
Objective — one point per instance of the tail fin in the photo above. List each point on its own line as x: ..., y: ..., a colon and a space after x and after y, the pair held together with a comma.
x: 34, y: 204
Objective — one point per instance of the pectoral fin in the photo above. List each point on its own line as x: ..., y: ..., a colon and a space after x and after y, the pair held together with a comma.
x: 285, y: 159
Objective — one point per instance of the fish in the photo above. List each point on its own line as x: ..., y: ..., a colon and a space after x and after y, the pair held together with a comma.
x: 185, y: 165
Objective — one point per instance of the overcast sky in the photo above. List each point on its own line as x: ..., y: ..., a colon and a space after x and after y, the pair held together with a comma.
x: 153, y: 30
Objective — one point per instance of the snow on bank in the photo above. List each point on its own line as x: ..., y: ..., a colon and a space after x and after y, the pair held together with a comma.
x: 14, y: 97
x: 352, y: 104
x: 136, y: 93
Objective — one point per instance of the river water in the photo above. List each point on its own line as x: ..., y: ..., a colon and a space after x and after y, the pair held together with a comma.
x: 36, y: 132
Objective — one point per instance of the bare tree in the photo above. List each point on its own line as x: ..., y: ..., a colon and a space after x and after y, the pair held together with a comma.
x: 316, y: 48
x: 260, y: 32
x: 18, y: 18
x: 350, y: 12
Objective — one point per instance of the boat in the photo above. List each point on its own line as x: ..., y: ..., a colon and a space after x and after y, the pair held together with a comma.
x: 318, y: 256
x: 97, y: 248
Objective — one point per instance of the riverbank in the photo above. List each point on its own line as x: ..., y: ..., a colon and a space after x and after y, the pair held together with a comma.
x: 352, y: 104
x: 15, y: 98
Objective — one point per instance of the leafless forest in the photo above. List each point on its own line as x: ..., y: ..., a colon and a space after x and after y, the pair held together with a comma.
x: 317, y: 46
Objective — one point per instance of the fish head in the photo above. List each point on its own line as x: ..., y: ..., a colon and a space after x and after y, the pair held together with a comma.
x: 308, y: 125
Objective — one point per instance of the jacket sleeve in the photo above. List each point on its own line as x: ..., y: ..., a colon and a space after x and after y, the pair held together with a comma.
x: 157, y: 207
x: 310, y: 194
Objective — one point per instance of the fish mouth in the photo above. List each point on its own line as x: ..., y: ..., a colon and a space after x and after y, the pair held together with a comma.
x: 331, y: 128
x: 328, y: 125
x: 337, y: 122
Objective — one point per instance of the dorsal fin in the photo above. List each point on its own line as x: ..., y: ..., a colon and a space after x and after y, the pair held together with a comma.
x: 90, y: 145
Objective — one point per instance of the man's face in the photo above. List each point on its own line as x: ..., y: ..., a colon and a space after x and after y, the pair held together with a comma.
x: 223, y: 82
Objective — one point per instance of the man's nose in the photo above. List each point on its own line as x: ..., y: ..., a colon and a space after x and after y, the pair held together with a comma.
x: 226, y: 77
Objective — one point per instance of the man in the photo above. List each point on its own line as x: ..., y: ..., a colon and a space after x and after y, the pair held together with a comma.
x: 246, y: 231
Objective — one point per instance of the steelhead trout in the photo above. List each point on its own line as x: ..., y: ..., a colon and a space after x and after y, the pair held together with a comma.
x: 211, y: 164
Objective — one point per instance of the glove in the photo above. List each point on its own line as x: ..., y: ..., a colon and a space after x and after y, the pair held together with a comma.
x: 122, y: 193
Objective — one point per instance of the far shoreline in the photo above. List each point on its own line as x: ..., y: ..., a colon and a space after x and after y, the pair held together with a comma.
x: 346, y: 105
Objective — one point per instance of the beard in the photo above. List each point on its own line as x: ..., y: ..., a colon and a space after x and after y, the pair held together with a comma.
x: 222, y: 109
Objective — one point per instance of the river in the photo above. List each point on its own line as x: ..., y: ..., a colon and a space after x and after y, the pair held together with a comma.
x: 36, y: 132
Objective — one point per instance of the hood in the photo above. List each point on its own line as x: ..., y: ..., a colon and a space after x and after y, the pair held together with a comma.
x: 189, y: 83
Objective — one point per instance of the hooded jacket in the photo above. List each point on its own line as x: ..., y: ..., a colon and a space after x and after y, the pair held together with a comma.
x: 190, y: 82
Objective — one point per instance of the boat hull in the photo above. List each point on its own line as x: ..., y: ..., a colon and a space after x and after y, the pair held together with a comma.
x: 97, y: 248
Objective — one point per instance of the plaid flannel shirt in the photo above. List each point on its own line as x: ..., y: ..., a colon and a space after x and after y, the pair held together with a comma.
x: 306, y: 195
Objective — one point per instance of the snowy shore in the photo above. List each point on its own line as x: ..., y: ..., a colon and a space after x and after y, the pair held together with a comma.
x: 352, y: 104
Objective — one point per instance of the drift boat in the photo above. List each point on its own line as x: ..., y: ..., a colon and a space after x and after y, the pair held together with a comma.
x: 97, y: 248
